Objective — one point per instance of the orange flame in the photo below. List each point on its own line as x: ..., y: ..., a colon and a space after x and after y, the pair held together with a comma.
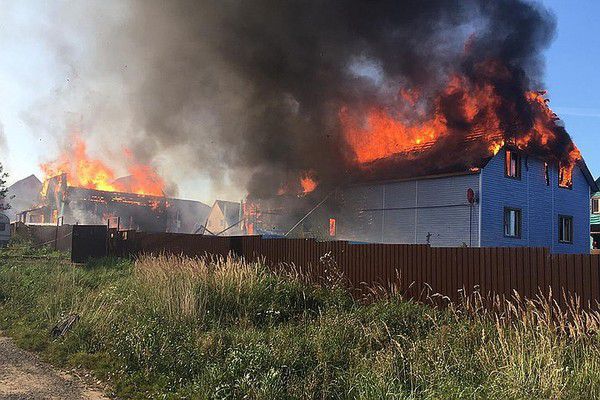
x: 86, y: 172
x: 379, y: 133
x: 384, y: 133
x: 308, y: 182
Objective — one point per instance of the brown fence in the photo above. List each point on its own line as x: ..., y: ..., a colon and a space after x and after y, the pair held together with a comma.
x: 415, y: 270
x: 57, y: 237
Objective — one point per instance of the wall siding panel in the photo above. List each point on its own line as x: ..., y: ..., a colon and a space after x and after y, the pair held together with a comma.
x: 540, y: 205
x: 406, y: 212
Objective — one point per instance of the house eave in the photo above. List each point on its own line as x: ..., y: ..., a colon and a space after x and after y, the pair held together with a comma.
x: 473, y: 171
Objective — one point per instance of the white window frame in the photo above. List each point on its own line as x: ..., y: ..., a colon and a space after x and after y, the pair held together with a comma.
x: 515, y: 231
x: 565, y: 224
x: 595, y: 205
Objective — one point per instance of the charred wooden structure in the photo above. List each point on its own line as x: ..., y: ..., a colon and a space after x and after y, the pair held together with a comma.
x: 61, y: 203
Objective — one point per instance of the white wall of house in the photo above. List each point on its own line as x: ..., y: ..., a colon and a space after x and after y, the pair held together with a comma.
x: 433, y: 210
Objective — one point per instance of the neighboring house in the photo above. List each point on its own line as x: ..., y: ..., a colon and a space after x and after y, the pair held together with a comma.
x: 224, y: 217
x: 595, y: 219
x: 517, y: 201
x: 186, y: 216
x: 23, y: 195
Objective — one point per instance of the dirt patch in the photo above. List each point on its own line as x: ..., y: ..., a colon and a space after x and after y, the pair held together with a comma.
x: 24, y: 376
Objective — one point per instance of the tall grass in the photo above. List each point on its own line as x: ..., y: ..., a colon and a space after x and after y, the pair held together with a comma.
x: 174, y: 327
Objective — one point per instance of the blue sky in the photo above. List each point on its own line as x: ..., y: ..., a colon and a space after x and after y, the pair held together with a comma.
x: 30, y: 71
x: 573, y: 73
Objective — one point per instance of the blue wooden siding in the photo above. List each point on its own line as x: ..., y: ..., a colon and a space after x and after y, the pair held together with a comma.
x: 406, y: 212
x: 541, y: 206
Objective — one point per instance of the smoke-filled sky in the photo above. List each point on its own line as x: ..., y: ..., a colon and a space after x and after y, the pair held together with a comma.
x: 221, y: 101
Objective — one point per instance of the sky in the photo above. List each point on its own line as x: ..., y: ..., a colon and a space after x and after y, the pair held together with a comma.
x: 572, y: 77
x: 31, y: 73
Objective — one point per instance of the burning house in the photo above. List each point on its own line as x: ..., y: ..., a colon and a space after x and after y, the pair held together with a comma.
x: 510, y: 199
x: 67, y: 204
x: 428, y: 126
x: 79, y: 189
x: 505, y: 200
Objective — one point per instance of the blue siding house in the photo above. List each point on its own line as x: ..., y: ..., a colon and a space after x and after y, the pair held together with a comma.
x: 515, y: 200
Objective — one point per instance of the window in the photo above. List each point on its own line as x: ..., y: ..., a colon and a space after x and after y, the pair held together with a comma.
x: 512, y: 222
x: 547, y: 173
x: 565, y: 177
x: 565, y: 229
x: 2, y: 226
x: 596, y: 205
x: 332, y: 227
x: 512, y: 164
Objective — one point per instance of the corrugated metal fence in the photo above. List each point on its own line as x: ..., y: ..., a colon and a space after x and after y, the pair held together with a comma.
x: 417, y: 271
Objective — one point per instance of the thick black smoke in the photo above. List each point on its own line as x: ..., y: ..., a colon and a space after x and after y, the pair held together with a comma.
x: 258, y: 85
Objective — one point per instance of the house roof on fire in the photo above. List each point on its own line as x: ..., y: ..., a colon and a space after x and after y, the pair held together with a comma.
x: 435, y: 159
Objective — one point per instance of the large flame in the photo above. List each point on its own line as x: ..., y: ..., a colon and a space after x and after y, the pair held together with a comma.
x: 384, y: 133
x: 400, y: 129
x: 86, y: 172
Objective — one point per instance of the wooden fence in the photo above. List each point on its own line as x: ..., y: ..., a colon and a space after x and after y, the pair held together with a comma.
x: 417, y: 271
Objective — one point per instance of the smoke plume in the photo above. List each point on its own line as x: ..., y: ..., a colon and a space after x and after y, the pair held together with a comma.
x: 249, y: 93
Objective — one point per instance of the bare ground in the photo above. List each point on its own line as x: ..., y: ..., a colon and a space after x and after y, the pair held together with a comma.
x: 23, y: 376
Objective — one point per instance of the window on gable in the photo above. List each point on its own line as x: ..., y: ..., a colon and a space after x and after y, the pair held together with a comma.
x: 512, y: 222
x: 547, y: 173
x: 596, y: 205
x: 565, y: 229
x: 565, y: 177
x: 512, y: 164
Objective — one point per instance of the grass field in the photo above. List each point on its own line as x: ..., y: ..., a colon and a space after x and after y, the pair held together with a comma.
x: 196, y: 329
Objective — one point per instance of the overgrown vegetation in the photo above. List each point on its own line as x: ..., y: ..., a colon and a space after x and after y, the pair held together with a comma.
x: 169, y: 327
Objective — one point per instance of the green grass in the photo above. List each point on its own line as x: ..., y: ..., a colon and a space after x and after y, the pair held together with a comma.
x: 223, y: 329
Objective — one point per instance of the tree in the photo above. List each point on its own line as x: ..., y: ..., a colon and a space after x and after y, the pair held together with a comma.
x: 3, y: 189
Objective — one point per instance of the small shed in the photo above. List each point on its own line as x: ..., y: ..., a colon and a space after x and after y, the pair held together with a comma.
x: 225, y: 218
